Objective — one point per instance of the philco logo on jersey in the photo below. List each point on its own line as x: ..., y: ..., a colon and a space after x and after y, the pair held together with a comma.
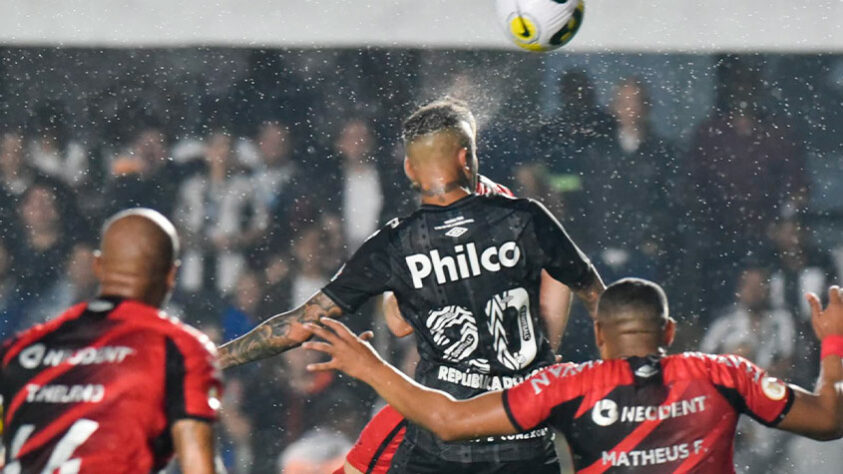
x: 466, y: 263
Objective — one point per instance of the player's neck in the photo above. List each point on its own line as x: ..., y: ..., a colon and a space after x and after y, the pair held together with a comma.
x: 443, y: 194
x: 142, y: 293
x: 640, y: 351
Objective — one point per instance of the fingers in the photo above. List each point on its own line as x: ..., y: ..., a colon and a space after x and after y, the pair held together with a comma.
x: 323, y: 332
x: 834, y: 296
x: 814, y: 303
x: 816, y: 312
x: 339, y: 328
x: 319, y: 346
x: 333, y: 332
x: 322, y: 366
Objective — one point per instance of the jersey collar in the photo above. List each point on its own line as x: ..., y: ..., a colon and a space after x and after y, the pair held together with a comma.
x: 104, y: 303
x: 454, y: 205
x: 646, y: 370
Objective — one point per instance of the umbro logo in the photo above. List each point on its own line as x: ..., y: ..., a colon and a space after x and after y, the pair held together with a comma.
x: 456, y: 232
x: 646, y: 371
x: 100, y: 306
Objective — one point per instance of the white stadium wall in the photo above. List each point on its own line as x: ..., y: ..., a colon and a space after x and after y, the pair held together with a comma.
x: 614, y: 25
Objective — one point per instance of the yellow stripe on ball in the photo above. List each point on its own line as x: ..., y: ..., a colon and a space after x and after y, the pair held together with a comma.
x: 523, y: 30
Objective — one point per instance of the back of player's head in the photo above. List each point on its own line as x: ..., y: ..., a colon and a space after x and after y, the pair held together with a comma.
x: 634, y: 300
x: 140, y: 238
x: 443, y: 115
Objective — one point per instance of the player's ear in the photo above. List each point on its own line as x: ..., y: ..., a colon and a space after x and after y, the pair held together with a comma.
x: 669, y: 332
x: 468, y: 166
x: 599, y: 337
x: 464, y: 160
x: 408, y: 170
x: 171, y: 275
x: 601, y: 341
x: 97, y: 265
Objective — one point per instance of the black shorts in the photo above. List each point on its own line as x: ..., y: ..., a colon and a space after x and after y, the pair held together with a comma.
x: 410, y: 459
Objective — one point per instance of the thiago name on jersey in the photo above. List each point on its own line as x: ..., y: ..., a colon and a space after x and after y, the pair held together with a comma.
x: 466, y: 262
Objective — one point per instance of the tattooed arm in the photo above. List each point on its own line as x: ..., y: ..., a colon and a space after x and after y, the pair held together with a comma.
x: 279, y: 333
x: 367, y: 273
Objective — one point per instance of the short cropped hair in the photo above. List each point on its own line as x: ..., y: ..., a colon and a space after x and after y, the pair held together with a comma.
x: 642, y: 297
x: 167, y: 237
x: 446, y: 114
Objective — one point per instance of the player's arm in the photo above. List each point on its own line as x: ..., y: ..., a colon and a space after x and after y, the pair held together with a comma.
x: 366, y: 274
x: 554, y: 308
x: 564, y: 261
x: 192, y: 390
x: 436, y: 411
x: 398, y: 326
x: 819, y: 415
x: 193, y: 441
x: 590, y: 293
x: 279, y: 333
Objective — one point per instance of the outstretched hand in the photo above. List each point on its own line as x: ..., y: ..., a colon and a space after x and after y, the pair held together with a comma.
x: 349, y: 353
x: 828, y: 321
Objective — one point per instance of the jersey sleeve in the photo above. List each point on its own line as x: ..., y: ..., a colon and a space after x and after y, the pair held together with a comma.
x: 531, y: 402
x: 489, y: 187
x: 193, y: 383
x: 751, y: 390
x: 366, y: 274
x: 561, y: 257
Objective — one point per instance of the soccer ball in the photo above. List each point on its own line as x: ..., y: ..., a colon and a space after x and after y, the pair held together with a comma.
x: 541, y: 25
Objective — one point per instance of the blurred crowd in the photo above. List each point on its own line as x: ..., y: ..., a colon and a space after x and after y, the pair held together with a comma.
x: 268, y: 213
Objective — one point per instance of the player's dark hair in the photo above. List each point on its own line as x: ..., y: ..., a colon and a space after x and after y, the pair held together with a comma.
x: 635, y: 295
x: 446, y: 114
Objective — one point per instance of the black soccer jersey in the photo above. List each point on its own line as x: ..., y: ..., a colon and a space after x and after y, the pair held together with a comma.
x: 467, y: 279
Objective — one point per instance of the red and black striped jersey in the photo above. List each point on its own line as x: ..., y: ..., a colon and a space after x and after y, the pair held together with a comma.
x: 98, y: 388
x: 658, y: 414
x: 378, y: 442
